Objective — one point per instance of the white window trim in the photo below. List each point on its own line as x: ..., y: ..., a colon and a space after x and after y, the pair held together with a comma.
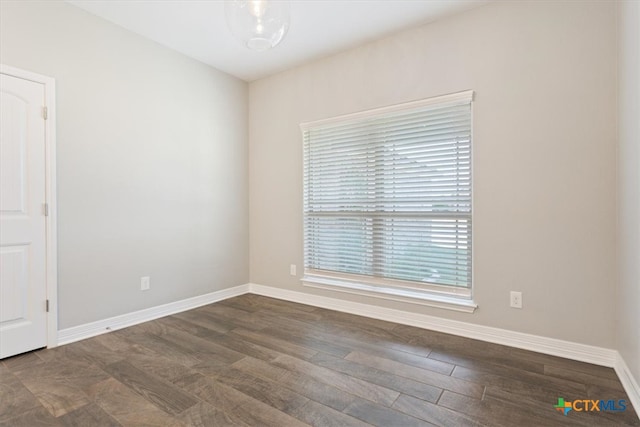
x: 383, y: 288
x: 464, y: 97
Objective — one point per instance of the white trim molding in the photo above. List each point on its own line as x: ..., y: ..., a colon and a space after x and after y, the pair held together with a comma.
x: 88, y: 330
x: 463, y: 97
x: 629, y: 383
x: 51, y: 274
x: 390, y: 293
x: 555, y: 347
x: 552, y: 346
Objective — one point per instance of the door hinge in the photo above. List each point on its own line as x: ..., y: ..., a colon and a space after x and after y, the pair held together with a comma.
x: 47, y: 304
x: 45, y: 113
x: 46, y: 209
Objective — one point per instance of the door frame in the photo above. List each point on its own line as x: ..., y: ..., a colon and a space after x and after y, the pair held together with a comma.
x: 51, y: 242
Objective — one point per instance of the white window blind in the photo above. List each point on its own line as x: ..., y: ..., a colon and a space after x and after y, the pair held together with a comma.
x: 387, y: 196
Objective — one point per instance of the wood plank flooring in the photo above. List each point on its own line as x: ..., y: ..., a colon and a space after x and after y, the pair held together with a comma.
x: 257, y: 361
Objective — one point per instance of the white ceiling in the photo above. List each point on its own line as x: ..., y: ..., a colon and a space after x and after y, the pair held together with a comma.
x: 318, y: 28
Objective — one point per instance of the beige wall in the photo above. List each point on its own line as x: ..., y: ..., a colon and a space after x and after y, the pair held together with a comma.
x: 629, y: 185
x: 152, y: 162
x: 544, y: 74
x: 153, y: 176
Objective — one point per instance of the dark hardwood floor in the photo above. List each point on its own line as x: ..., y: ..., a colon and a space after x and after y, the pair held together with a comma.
x: 256, y: 361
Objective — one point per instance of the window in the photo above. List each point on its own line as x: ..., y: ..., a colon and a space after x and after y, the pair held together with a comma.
x: 387, y: 202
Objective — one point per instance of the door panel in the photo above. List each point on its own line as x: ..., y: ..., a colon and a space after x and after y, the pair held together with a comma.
x: 12, y: 158
x: 13, y: 283
x: 23, y: 321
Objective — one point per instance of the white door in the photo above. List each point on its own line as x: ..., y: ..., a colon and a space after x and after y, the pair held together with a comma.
x: 23, y: 292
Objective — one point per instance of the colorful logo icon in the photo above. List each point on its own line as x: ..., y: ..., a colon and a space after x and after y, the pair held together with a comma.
x: 563, y: 406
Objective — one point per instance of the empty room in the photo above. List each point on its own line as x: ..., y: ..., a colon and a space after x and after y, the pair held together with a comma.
x: 319, y: 213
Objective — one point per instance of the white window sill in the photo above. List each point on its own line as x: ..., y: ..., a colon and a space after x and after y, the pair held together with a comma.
x: 390, y: 293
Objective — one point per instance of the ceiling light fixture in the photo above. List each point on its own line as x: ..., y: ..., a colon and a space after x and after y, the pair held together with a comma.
x: 258, y: 24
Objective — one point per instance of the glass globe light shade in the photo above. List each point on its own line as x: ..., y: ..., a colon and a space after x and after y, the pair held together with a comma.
x: 258, y: 24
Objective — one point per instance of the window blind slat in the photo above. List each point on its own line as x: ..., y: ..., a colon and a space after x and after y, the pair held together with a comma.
x: 392, y: 123
x: 389, y: 196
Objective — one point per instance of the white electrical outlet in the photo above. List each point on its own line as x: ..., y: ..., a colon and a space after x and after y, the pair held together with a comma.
x: 516, y: 299
x: 292, y: 269
x: 145, y: 283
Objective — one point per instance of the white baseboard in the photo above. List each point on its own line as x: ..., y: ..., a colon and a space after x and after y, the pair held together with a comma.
x: 552, y: 346
x: 555, y: 347
x: 88, y: 330
x: 628, y: 382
